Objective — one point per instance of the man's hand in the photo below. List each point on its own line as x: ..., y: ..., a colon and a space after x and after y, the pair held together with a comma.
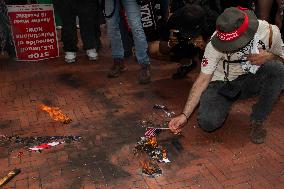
x: 177, y: 123
x: 261, y: 58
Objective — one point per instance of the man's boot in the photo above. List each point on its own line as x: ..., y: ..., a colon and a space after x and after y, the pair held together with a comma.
x: 117, y: 68
x: 257, y: 133
x: 145, y: 75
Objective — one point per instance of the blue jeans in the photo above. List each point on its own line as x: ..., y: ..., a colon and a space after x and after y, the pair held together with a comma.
x: 132, y: 10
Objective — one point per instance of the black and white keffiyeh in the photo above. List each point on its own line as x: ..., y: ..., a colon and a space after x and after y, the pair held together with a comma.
x: 252, y: 48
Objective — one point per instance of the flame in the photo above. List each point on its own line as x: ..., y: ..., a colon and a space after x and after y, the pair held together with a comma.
x: 164, y: 152
x: 55, y: 113
x: 153, y: 142
x: 146, y: 168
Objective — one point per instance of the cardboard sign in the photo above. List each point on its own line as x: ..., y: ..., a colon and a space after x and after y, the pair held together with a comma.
x: 34, y: 32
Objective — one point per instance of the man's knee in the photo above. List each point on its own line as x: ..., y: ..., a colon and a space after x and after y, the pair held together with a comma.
x: 274, y: 68
x: 209, y: 123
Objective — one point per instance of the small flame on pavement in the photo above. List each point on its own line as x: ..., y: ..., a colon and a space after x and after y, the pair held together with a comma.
x: 150, y: 169
x: 55, y: 113
x: 153, y: 142
x: 151, y: 147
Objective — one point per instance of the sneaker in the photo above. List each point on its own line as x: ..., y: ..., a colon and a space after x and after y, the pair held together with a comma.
x: 117, y: 69
x: 70, y: 57
x: 145, y: 75
x: 257, y: 133
x: 92, y: 54
x: 183, y: 70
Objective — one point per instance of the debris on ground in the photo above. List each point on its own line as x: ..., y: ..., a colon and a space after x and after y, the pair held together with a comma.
x: 40, y: 143
x: 40, y: 147
x: 20, y: 154
x: 151, y: 169
x: 55, y: 113
x: 164, y: 109
x: 151, y: 124
x: 9, y: 177
x: 150, y: 146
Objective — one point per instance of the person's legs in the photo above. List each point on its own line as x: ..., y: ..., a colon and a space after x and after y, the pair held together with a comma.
x: 133, y: 14
x: 264, y: 7
x: 271, y: 76
x: 68, y: 32
x: 113, y: 29
x: 6, y: 41
x: 213, y: 108
x: 115, y: 37
x: 126, y: 37
x: 88, y: 16
x: 268, y: 84
x: 279, y: 13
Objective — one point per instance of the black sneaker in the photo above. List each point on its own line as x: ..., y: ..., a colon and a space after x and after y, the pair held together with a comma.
x: 183, y: 70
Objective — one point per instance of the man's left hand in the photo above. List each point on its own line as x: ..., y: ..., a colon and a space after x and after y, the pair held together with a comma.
x: 261, y: 58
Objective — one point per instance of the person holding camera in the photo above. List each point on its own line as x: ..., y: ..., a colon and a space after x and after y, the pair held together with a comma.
x: 244, y: 58
x: 133, y: 14
x: 185, y: 36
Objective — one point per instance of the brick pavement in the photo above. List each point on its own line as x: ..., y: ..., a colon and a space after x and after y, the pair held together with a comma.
x: 105, y: 112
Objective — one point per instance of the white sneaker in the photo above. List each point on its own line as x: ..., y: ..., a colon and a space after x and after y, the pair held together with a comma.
x: 92, y: 54
x: 70, y: 57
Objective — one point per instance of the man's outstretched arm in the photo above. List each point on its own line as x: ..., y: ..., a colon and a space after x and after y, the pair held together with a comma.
x: 193, y: 99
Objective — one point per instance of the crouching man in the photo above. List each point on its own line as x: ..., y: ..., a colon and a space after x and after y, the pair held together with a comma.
x: 244, y: 58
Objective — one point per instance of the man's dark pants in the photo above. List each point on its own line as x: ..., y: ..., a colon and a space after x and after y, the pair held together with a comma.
x: 88, y: 14
x: 267, y: 83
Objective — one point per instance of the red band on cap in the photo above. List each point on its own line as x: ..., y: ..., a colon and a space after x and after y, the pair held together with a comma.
x: 242, y: 8
x: 229, y: 36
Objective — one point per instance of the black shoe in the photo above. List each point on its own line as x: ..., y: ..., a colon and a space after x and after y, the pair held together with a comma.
x: 117, y: 69
x: 144, y: 75
x: 257, y: 133
x: 183, y: 70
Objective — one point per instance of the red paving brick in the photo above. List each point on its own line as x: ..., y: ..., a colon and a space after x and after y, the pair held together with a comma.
x: 105, y: 113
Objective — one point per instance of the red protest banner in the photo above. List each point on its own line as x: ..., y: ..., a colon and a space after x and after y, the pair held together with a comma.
x: 34, y: 32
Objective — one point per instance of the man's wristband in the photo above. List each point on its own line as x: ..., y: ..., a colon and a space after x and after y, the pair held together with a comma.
x: 185, y: 116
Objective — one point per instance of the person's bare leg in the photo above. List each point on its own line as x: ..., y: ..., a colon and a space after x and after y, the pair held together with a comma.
x: 279, y: 14
x: 264, y: 9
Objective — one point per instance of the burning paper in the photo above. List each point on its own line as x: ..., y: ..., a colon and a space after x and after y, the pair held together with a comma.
x: 151, y: 169
x: 55, y: 113
x: 152, y: 149
x: 40, y: 143
x: 44, y: 146
x: 164, y: 109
